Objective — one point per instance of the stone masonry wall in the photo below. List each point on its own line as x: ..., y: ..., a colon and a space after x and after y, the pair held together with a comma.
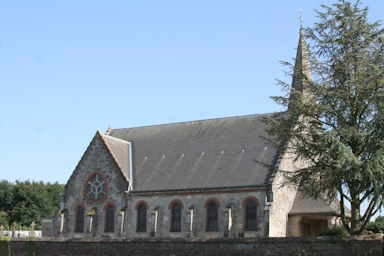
x: 283, y: 197
x: 196, y: 202
x: 176, y: 247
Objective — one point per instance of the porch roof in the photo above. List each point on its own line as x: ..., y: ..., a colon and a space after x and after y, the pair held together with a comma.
x: 303, y: 205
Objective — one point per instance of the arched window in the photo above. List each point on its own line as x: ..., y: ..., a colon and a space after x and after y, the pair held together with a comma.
x: 109, y: 219
x: 141, y: 217
x: 79, y: 224
x: 212, y: 214
x: 176, y: 217
x: 251, y: 215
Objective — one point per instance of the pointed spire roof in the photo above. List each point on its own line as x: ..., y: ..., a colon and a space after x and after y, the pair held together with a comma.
x: 302, y: 70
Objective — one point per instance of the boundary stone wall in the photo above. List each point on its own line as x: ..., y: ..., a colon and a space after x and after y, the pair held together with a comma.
x: 176, y: 247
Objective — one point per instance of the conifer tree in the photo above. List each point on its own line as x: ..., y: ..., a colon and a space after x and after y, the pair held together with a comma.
x: 335, y: 124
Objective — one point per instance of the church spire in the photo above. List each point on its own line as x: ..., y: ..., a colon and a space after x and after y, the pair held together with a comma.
x: 301, y: 72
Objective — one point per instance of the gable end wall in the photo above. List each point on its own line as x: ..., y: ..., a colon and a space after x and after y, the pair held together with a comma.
x: 96, y: 159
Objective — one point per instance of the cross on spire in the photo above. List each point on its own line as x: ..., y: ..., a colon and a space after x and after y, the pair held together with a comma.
x: 301, y: 17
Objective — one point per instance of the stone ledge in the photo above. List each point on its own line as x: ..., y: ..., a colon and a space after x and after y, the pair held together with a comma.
x: 374, y: 237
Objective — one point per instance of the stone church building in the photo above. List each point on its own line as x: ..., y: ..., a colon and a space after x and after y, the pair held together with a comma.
x: 190, y: 179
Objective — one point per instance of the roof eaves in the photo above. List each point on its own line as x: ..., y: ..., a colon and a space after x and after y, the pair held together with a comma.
x: 201, y: 190
x: 332, y: 213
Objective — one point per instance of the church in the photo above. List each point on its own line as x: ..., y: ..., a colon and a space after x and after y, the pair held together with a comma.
x: 197, y: 179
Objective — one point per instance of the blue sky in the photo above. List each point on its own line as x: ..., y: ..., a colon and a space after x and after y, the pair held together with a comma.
x: 70, y: 68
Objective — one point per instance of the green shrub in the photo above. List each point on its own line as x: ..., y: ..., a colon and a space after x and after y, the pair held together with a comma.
x: 377, y: 226
x: 5, y: 238
x: 334, y: 231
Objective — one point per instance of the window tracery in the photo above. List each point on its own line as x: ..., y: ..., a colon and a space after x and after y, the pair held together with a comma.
x: 96, y: 187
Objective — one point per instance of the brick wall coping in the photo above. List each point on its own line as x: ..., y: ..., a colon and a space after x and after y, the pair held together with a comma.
x: 373, y: 238
x: 355, y: 246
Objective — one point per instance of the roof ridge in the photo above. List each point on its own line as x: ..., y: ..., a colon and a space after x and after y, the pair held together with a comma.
x: 195, y: 121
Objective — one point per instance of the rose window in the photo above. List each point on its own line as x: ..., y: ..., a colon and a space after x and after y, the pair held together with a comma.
x: 96, y: 187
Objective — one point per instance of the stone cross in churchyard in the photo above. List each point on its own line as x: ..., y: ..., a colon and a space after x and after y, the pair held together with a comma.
x: 32, y: 229
x: 90, y: 216
x: 121, y: 221
x: 189, y: 221
x: 61, y: 223
x: 14, y: 229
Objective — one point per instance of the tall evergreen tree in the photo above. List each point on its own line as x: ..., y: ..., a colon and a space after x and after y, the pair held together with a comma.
x: 335, y: 124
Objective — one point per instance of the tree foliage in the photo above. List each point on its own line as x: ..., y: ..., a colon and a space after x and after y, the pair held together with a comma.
x: 25, y: 202
x: 337, y: 124
x: 377, y: 226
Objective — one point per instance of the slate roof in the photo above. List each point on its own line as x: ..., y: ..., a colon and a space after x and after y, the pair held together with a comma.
x: 306, y: 206
x: 120, y: 152
x: 211, y: 153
